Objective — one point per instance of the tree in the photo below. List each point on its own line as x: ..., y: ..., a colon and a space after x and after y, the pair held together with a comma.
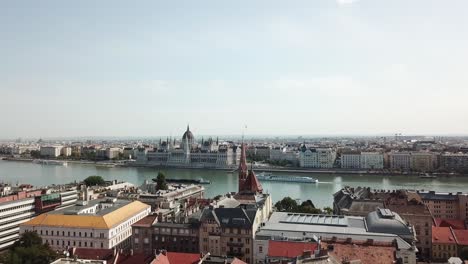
x: 29, y: 250
x: 161, y: 183
x: 286, y: 205
x: 94, y: 180
x: 328, y: 210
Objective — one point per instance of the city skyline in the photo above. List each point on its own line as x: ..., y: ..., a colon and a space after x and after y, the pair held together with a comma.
x: 113, y: 69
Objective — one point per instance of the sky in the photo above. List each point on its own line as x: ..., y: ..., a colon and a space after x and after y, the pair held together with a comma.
x: 148, y: 68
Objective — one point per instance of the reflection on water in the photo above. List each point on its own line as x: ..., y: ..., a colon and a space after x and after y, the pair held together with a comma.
x: 224, y: 182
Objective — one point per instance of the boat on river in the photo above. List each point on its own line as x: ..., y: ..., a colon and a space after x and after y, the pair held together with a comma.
x: 270, y: 177
x: 427, y: 176
x: 50, y: 162
x: 187, y: 181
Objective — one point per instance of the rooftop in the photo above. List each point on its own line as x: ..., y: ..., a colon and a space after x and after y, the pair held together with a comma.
x: 289, y: 249
x: 363, y: 253
x: 442, y: 235
x: 104, y: 219
x: 354, y: 227
x: 461, y: 237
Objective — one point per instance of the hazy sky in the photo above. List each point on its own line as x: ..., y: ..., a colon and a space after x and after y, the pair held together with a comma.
x: 147, y: 68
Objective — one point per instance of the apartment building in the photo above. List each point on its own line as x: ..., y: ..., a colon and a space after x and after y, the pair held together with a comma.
x: 149, y: 236
x: 446, y: 205
x: 317, y: 157
x: 227, y: 231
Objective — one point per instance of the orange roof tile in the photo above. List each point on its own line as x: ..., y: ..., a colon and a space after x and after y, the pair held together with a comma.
x: 289, y: 249
x: 89, y: 221
x: 442, y: 235
x: 461, y: 236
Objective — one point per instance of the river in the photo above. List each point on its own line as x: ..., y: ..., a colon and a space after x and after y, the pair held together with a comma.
x: 223, y: 182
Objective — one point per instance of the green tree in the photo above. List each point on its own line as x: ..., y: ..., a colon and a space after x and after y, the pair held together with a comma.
x: 287, y: 204
x: 29, y: 250
x: 161, y: 183
x: 328, y: 210
x: 94, y: 180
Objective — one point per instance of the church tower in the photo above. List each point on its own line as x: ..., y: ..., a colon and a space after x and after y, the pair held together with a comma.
x: 248, y: 182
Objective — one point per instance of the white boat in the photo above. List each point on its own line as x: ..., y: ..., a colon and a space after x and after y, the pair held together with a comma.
x: 51, y: 162
x: 270, y: 177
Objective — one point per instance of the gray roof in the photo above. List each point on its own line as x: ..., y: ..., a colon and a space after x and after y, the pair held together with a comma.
x: 283, y: 225
x: 385, y: 221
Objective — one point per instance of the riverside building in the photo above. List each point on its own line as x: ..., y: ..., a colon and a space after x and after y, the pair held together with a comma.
x: 188, y: 154
x: 322, y: 158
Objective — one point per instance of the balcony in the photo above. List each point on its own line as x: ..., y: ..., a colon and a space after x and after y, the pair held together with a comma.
x: 235, y: 244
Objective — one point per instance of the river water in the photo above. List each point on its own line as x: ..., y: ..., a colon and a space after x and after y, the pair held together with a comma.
x: 223, y: 182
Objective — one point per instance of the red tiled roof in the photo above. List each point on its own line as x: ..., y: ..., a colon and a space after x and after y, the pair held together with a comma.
x: 146, y: 221
x: 132, y: 259
x: 453, y: 223
x: 442, y: 235
x: 237, y: 261
x: 289, y: 249
x: 461, y: 236
x: 365, y: 254
x: 160, y: 259
x: 183, y: 258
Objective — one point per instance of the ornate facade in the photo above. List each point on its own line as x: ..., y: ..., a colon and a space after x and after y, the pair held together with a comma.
x: 209, y: 154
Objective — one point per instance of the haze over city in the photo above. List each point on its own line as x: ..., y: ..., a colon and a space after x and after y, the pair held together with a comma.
x: 118, y: 68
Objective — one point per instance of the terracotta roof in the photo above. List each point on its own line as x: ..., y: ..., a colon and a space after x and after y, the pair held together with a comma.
x: 442, y: 235
x: 238, y: 261
x: 146, y: 221
x: 461, y: 236
x: 160, y: 259
x: 366, y: 254
x: 288, y: 249
x: 89, y: 221
x: 132, y: 259
x: 183, y: 258
x: 453, y: 223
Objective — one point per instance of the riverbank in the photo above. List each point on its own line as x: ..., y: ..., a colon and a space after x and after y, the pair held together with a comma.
x: 333, y: 171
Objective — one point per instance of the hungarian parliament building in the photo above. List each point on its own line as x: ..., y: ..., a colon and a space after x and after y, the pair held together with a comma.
x: 208, y: 154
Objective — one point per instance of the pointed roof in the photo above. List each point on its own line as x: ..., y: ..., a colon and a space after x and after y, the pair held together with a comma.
x: 243, y: 162
x: 252, y: 184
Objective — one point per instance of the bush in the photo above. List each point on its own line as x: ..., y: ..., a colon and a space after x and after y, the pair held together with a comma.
x: 94, y: 180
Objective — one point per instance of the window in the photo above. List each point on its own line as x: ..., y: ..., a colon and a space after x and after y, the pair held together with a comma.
x: 85, y: 234
x: 102, y: 245
x: 79, y: 234
x: 136, y: 231
x: 136, y: 240
x: 79, y: 244
x: 260, y: 249
x: 101, y: 235
x: 85, y: 244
